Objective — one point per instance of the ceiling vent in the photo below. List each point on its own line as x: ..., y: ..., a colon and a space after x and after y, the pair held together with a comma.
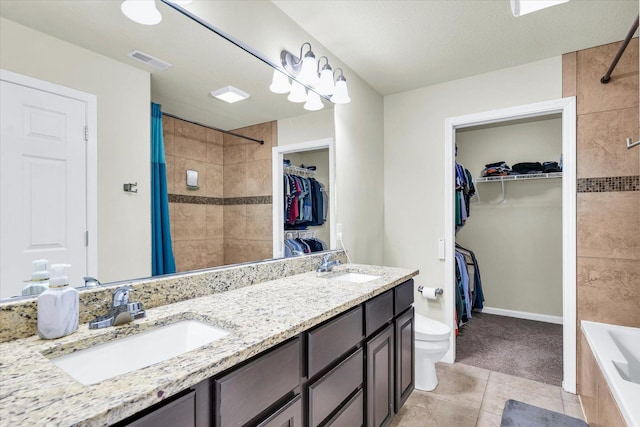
x: 149, y: 60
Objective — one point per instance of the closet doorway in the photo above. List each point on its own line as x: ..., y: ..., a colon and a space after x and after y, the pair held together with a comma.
x: 320, y: 154
x: 562, y: 110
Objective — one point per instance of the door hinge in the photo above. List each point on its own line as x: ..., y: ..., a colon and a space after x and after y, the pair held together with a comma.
x: 86, y: 238
x: 86, y: 133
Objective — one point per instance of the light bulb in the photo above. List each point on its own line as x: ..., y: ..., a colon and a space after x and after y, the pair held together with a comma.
x: 326, y: 86
x: 280, y: 83
x: 341, y: 95
x: 298, y: 93
x: 141, y: 11
x: 308, y: 75
x: 314, y: 103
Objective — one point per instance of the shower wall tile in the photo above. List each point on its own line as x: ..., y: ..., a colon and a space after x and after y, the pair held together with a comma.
x: 601, y: 143
x: 215, y: 252
x: 189, y: 130
x: 609, y: 291
x: 609, y: 225
x: 171, y: 173
x: 180, y: 176
x: 235, y: 222
x: 190, y: 254
x: 235, y: 180
x: 569, y: 74
x: 235, y: 150
x: 236, y: 250
x: 190, y: 148
x: 258, y: 178
x: 215, y: 147
x: 621, y: 92
x: 259, y: 224
x: 214, y: 176
x: 215, y: 221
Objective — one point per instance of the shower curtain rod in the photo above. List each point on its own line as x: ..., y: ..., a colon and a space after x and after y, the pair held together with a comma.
x: 259, y: 141
x: 607, y: 77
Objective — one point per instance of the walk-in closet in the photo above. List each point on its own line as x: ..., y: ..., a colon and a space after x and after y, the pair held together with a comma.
x: 509, y: 239
x: 306, y: 202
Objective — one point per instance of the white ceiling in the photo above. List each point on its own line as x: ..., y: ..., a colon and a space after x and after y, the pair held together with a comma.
x: 402, y: 45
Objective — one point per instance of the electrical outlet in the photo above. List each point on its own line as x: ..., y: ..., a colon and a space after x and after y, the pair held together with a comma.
x: 339, y: 231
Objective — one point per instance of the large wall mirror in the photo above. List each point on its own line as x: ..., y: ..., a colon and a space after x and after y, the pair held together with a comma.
x: 228, y: 219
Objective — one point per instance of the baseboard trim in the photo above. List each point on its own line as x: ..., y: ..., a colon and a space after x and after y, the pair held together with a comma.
x: 523, y: 315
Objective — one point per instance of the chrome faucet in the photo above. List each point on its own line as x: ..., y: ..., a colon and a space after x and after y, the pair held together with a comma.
x: 328, y: 263
x: 122, y: 311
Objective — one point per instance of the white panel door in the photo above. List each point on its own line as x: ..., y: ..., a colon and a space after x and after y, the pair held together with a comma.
x: 43, y: 197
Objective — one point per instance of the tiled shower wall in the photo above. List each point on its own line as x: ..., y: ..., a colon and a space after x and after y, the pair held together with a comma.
x: 608, y: 199
x: 228, y: 219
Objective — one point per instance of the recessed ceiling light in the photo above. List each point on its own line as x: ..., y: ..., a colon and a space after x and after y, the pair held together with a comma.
x: 230, y: 94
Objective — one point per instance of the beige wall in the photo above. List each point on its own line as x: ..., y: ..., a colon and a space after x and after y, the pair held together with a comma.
x: 518, y: 243
x: 608, y: 199
x: 414, y: 159
x: 123, y: 94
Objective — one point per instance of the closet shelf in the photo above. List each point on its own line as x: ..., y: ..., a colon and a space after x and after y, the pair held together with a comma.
x: 518, y: 177
x: 296, y: 170
x: 522, y: 177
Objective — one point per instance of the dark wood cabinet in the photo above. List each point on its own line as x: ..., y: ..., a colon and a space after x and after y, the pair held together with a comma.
x: 191, y: 408
x: 247, y: 392
x: 331, y: 391
x: 380, y: 378
x: 290, y: 415
x: 405, y: 357
x: 352, y: 414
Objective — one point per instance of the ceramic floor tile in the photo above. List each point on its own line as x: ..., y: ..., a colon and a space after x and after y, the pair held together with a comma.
x: 498, y: 393
x: 472, y: 371
x: 525, y: 384
x: 569, y: 397
x: 423, y: 409
x: 456, y: 386
x: 487, y: 419
x: 573, y: 409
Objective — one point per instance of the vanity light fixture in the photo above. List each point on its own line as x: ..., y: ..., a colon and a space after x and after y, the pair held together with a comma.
x: 306, y: 71
x: 230, y: 94
x: 522, y: 7
x: 141, y: 11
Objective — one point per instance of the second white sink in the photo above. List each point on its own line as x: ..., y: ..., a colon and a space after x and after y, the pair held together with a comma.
x: 355, y: 277
x: 108, y: 360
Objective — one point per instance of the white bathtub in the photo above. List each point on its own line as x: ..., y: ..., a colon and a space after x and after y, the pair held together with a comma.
x: 617, y: 351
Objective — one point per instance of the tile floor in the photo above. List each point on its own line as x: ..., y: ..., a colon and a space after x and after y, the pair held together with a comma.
x: 467, y: 396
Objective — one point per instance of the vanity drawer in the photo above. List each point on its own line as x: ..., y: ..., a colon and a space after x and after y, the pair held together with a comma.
x: 333, y: 339
x: 352, y: 415
x: 378, y: 311
x: 180, y: 412
x: 248, y: 391
x: 403, y: 296
x: 328, y: 392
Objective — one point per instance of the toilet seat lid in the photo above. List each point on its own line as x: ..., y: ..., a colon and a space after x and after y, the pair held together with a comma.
x: 430, y: 330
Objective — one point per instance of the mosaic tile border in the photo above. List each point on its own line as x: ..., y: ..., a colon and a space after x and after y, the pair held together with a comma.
x: 609, y: 184
x: 200, y: 200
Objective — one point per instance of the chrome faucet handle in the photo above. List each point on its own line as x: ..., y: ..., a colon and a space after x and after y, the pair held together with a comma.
x: 327, y: 258
x: 121, y: 296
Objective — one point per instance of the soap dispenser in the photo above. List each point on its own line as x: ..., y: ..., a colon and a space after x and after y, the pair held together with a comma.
x: 39, y: 278
x: 58, y: 306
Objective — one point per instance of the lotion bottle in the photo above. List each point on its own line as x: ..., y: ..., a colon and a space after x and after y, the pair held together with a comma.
x: 39, y: 278
x: 58, y: 306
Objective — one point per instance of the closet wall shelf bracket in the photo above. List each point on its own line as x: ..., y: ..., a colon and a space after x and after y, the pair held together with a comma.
x: 522, y: 177
x: 296, y: 170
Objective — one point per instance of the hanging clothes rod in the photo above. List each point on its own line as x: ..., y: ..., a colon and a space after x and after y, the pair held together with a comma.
x: 607, y: 77
x: 259, y: 141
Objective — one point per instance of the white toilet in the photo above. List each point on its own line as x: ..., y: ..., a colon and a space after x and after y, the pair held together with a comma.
x: 432, y: 343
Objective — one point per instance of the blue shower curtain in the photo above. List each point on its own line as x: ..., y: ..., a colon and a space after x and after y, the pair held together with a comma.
x: 161, y: 250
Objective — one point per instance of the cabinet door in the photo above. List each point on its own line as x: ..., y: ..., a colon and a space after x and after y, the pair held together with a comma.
x: 290, y: 415
x: 405, y: 357
x: 380, y: 372
x: 352, y: 415
x: 178, y: 413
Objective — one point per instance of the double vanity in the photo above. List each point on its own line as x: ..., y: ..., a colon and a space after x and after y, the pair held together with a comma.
x: 299, y: 349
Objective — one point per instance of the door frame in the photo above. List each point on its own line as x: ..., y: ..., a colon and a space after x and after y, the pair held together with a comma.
x: 91, y: 158
x: 567, y: 108
x: 277, y: 157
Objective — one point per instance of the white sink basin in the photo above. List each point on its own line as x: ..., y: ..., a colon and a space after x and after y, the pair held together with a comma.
x: 108, y: 360
x: 355, y: 277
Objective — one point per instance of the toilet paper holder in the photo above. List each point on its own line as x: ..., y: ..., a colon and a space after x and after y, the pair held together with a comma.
x: 439, y: 291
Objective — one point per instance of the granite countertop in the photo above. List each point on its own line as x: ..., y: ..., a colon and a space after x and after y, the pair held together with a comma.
x: 33, y: 391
